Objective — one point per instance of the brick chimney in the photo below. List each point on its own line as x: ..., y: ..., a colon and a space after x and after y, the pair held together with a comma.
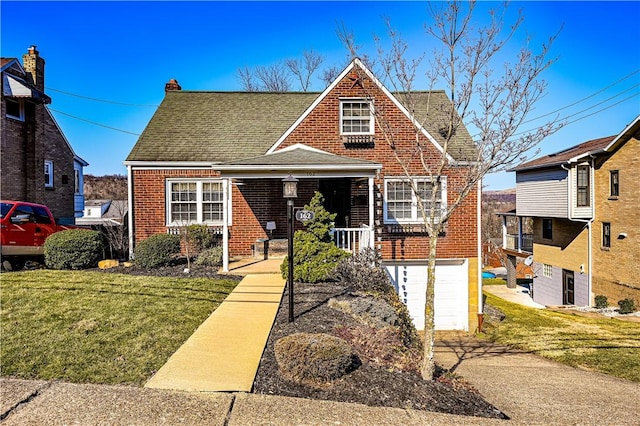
x: 172, y: 85
x: 34, y: 66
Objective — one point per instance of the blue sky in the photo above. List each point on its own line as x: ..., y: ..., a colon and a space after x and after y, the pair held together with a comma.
x: 124, y: 52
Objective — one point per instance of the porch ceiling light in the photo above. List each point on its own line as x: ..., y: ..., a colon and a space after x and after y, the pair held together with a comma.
x: 290, y: 187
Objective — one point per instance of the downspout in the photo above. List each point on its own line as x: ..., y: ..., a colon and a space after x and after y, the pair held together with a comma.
x: 372, y: 228
x: 130, y: 203
x: 479, y: 240
x: 225, y: 225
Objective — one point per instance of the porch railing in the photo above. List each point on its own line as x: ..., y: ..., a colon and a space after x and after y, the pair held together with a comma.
x: 352, y: 239
x: 527, y: 242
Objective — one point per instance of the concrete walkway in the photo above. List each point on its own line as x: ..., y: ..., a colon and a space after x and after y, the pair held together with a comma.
x: 224, y: 352
x: 533, y: 390
x: 517, y: 295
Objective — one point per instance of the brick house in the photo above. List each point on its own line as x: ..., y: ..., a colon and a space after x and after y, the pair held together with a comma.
x: 585, y: 205
x: 38, y: 163
x: 219, y: 158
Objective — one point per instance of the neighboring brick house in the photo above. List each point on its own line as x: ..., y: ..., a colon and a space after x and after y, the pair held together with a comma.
x: 585, y: 204
x: 38, y: 163
x: 219, y: 158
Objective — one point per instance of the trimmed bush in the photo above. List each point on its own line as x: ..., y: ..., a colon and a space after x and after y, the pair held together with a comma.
x: 209, y: 257
x: 306, y: 357
x: 362, y: 271
x: 200, y: 238
x: 627, y: 306
x: 157, y: 250
x: 601, y: 301
x: 73, y: 249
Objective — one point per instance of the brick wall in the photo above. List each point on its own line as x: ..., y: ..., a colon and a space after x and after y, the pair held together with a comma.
x: 320, y: 129
x: 616, y: 270
x: 25, y: 146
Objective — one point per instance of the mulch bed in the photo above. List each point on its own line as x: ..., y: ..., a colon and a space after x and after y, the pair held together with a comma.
x: 370, y: 384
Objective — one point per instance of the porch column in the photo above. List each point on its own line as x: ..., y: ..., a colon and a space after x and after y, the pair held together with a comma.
x: 372, y: 202
x: 225, y: 225
x: 519, y: 233
x: 504, y: 231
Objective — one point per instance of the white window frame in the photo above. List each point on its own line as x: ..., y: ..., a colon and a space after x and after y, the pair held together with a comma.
x: 48, y: 164
x: 20, y: 103
x: 199, y: 201
x: 369, y: 103
x: 547, y: 270
x: 416, y: 215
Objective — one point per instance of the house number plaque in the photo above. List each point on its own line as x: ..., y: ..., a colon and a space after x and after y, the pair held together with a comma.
x: 305, y: 215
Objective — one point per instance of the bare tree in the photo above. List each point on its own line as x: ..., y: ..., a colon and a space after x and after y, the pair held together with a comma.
x: 494, y: 103
x: 247, y: 81
x: 303, y: 69
x: 273, y: 78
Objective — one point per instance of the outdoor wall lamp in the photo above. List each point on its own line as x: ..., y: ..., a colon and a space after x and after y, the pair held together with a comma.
x: 290, y: 187
x: 289, y: 192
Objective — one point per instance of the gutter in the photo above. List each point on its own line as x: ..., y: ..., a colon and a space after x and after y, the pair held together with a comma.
x: 479, y: 243
x: 130, y: 202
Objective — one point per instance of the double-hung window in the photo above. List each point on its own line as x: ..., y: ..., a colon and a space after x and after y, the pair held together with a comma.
x: 356, y: 117
x: 402, y: 201
x: 582, y: 186
x: 606, y: 234
x: 195, y: 201
x: 614, y: 180
x: 48, y: 174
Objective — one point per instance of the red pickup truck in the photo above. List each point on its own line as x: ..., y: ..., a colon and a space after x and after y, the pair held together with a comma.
x: 23, y: 229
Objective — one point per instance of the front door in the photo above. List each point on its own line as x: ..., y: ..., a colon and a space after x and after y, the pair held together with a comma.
x: 568, y: 287
x: 337, y: 199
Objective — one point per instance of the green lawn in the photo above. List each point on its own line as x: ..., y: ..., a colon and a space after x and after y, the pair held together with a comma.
x: 607, y: 345
x: 95, y: 327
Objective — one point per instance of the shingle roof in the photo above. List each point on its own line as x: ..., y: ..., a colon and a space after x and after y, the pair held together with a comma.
x: 217, y: 126
x: 226, y: 126
x: 593, y: 146
x: 301, y: 156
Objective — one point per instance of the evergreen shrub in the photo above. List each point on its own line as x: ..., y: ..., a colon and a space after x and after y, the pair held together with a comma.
x: 73, y: 249
x: 157, y: 250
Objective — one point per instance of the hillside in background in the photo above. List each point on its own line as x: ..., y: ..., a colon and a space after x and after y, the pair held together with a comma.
x: 110, y: 187
x: 494, y: 202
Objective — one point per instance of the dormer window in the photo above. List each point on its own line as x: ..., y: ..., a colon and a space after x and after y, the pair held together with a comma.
x: 582, y: 186
x: 356, y: 117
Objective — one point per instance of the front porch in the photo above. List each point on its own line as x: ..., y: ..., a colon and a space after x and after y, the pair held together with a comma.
x: 259, y: 210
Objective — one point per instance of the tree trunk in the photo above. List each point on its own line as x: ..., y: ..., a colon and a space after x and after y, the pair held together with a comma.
x: 428, y: 368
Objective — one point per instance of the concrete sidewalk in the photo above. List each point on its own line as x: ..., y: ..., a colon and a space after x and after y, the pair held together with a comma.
x: 224, y: 352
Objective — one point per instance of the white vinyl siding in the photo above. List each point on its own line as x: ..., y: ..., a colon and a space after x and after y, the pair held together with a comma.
x: 191, y: 201
x: 542, y: 193
x: 581, y: 191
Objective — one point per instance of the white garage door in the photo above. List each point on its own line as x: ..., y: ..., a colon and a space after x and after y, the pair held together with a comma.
x: 451, y: 292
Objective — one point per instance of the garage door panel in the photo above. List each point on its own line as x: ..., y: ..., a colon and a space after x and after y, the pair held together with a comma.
x: 450, y: 302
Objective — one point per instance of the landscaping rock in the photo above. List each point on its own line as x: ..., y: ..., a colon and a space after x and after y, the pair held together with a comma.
x: 108, y: 264
x: 316, y: 358
x: 367, y: 309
